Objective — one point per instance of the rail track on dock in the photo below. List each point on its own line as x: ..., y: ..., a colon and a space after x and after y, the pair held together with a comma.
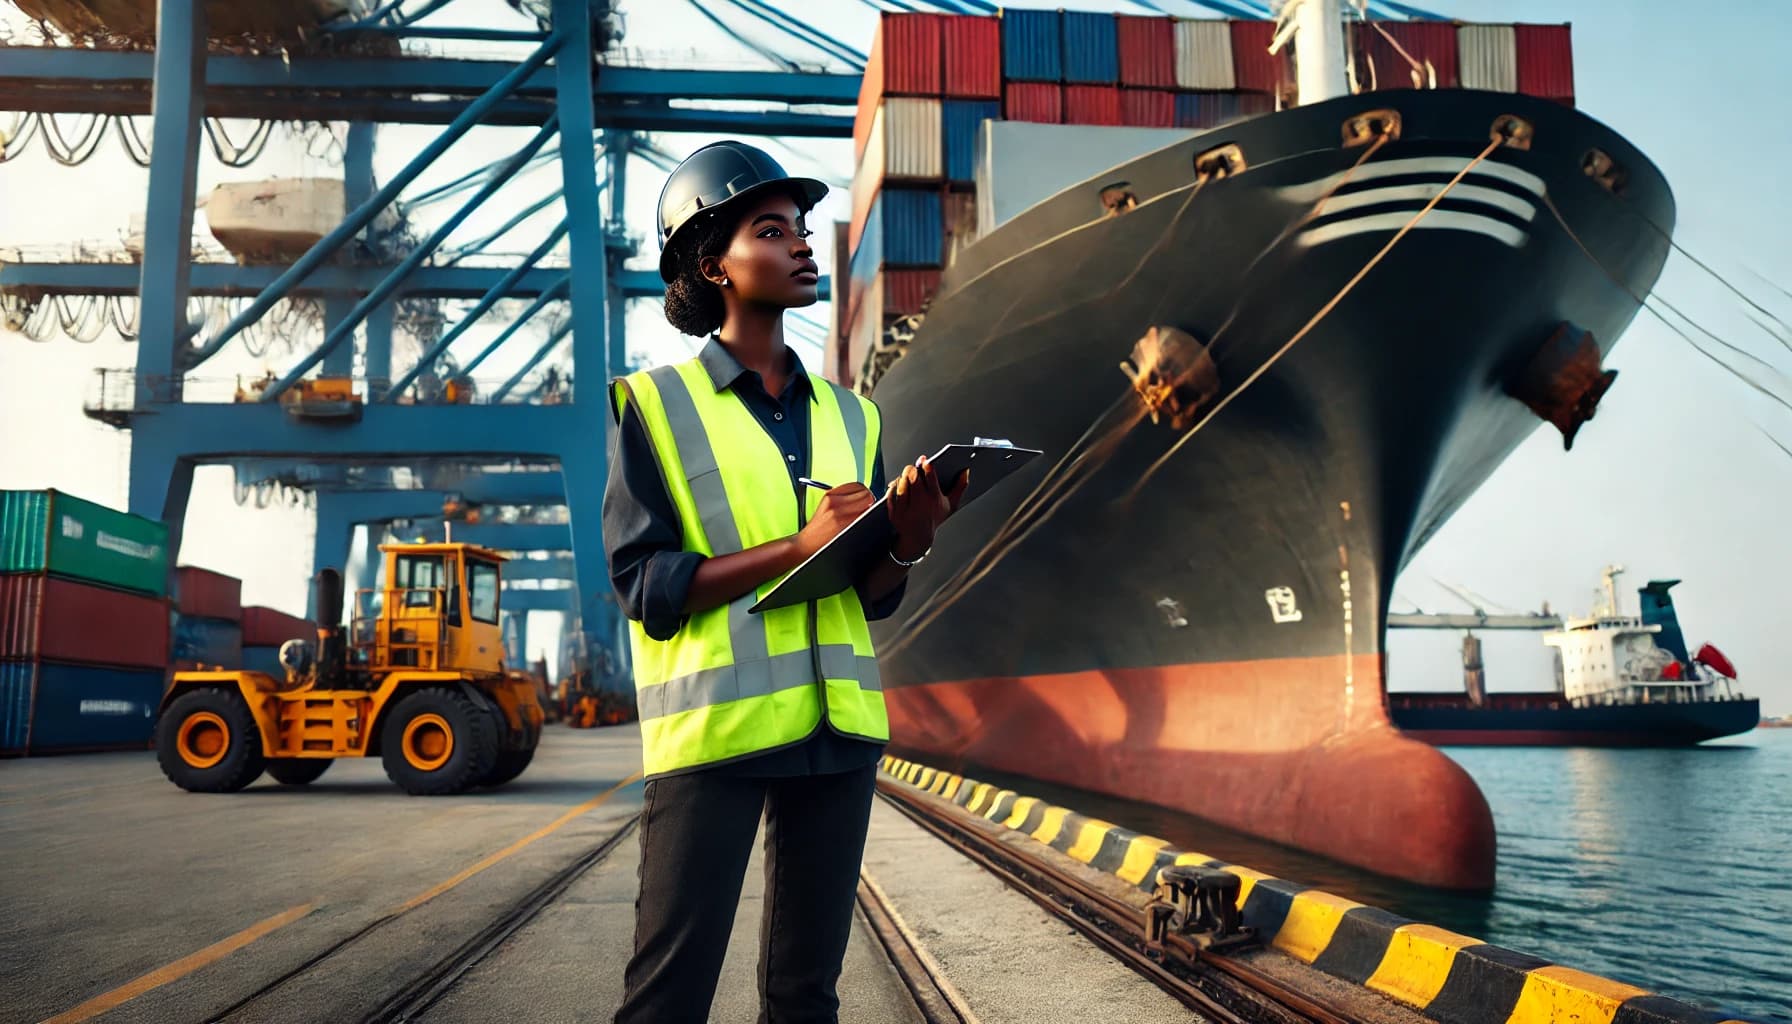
x: 1218, y: 986
x: 415, y: 997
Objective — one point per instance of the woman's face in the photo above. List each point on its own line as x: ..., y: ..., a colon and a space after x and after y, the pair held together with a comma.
x: 768, y: 260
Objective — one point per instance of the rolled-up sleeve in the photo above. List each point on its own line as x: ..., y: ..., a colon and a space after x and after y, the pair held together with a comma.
x: 649, y: 568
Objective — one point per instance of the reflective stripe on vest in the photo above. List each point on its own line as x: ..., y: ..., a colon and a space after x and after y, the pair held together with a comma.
x: 731, y: 683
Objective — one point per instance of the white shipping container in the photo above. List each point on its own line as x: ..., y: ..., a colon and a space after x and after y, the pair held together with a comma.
x: 914, y: 140
x: 1204, y: 55
x: 1488, y: 57
x: 867, y: 325
x: 1020, y: 164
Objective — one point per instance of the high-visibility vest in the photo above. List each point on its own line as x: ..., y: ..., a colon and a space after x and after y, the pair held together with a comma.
x: 731, y: 684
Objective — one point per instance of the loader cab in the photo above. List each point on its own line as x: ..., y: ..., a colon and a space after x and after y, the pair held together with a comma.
x: 437, y: 612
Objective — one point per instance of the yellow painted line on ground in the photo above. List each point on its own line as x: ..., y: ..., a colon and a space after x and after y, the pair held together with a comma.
x: 1557, y: 993
x: 551, y: 827
x: 180, y: 968
x: 1417, y: 963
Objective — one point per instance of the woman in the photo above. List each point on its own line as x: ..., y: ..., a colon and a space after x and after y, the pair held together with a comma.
x: 713, y: 494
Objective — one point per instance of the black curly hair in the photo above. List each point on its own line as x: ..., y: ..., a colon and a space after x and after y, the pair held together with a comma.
x: 693, y: 302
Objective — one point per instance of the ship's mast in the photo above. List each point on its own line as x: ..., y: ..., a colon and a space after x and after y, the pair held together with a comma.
x: 1317, y: 28
x: 1610, y: 575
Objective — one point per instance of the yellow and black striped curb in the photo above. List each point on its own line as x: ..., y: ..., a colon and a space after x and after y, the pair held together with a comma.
x: 1447, y: 977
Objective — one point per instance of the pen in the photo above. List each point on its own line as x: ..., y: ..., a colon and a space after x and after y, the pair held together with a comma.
x: 817, y: 484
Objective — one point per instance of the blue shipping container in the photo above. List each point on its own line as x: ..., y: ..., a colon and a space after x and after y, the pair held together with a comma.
x: 82, y: 707
x: 264, y: 659
x: 15, y: 704
x: 913, y: 235
x: 212, y: 641
x: 869, y: 256
x: 1032, y: 46
x: 1091, y: 48
x: 1209, y: 109
x: 962, y: 119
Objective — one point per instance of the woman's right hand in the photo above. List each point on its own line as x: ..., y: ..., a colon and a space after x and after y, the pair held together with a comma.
x: 839, y: 507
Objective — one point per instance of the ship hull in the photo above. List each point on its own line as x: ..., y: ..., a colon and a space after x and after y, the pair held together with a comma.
x: 1449, y: 720
x: 1213, y: 642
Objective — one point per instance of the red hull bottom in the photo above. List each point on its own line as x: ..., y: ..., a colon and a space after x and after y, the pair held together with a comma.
x: 1298, y: 751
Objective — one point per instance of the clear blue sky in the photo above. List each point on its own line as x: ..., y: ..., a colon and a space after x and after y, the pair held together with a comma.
x: 1672, y: 479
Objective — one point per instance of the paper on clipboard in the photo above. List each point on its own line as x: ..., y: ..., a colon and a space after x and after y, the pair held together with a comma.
x: 855, y: 550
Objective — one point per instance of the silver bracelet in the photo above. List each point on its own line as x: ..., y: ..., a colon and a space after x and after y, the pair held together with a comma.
x: 917, y: 560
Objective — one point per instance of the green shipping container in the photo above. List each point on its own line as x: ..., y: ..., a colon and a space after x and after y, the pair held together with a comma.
x: 49, y: 531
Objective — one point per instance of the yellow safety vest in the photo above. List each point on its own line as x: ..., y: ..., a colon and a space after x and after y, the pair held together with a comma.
x: 730, y: 684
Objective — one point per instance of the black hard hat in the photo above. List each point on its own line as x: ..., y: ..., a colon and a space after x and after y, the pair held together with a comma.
x: 714, y: 175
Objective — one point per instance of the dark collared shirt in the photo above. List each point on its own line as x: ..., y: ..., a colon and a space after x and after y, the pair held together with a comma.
x: 652, y: 572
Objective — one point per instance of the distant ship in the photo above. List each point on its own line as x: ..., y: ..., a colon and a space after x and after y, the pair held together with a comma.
x: 1621, y: 681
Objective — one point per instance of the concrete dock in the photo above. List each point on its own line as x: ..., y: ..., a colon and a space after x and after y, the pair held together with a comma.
x: 128, y: 899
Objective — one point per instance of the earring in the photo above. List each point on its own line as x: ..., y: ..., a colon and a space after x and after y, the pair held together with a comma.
x: 724, y: 282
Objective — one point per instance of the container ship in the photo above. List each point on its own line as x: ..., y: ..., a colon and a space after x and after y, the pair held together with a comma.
x: 1267, y: 357
x: 1621, y: 681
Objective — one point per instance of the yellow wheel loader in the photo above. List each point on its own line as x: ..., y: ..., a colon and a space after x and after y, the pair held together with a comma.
x: 417, y: 680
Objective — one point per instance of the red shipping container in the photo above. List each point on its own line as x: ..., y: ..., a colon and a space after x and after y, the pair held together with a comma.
x: 1091, y: 104
x: 1148, y: 108
x: 1254, y: 68
x: 906, y: 290
x: 1545, y: 61
x: 62, y: 620
x: 973, y: 57
x: 904, y: 61
x: 1432, y: 42
x: 1147, y: 51
x: 265, y: 627
x: 207, y: 594
x: 1041, y: 102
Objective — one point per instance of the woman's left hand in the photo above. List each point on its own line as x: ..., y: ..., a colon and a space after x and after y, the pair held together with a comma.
x: 918, y: 505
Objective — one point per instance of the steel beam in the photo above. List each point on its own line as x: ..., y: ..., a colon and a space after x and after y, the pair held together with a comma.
x: 168, y: 217
x: 357, y: 180
x: 512, y: 536
x: 223, y: 431
x: 525, y: 601
x: 455, y: 282
x: 559, y: 567
x: 69, y: 80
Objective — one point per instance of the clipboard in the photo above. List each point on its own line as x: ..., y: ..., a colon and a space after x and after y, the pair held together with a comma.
x: 854, y: 550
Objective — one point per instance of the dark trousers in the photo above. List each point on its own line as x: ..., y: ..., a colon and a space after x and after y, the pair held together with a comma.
x: 696, y: 835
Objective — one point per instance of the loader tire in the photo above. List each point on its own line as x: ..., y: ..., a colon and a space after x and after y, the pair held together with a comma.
x: 208, y: 742
x: 438, y: 742
x: 298, y: 771
x: 510, y: 764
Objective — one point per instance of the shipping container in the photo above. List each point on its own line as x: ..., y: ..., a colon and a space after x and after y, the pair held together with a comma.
x: 961, y: 119
x: 70, y: 708
x: 1212, y: 109
x: 1091, y: 104
x: 265, y: 627
x: 1486, y: 57
x: 1148, y: 108
x: 1254, y: 68
x: 16, y: 678
x: 840, y: 306
x: 1033, y: 101
x: 211, y: 594
x: 905, y: 144
x: 208, y: 641
x: 959, y: 222
x: 1020, y: 165
x: 1091, y: 49
x: 972, y: 57
x: 1147, y: 51
x: 1204, y: 55
x: 868, y: 323
x: 263, y: 659
x: 906, y: 290
x: 44, y: 616
x: 51, y: 531
x: 903, y: 230
x: 904, y: 61
x: 1545, y: 58
x: 1032, y: 46
x: 1431, y: 45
